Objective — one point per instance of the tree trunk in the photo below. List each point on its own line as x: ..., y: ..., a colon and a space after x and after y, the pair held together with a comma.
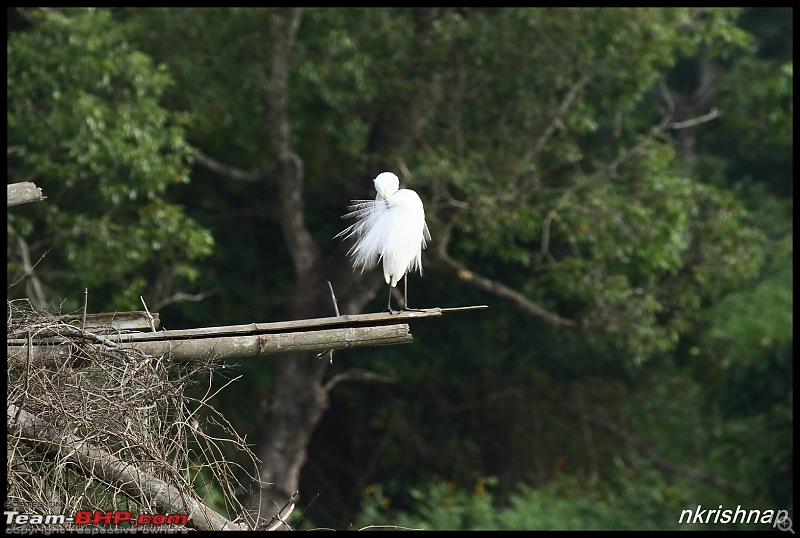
x: 299, y: 397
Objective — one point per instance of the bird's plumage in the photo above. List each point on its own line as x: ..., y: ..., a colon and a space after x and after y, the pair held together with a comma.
x: 391, y: 228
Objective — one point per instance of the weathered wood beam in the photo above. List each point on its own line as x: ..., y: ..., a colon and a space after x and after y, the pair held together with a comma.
x: 113, y: 321
x: 23, y: 193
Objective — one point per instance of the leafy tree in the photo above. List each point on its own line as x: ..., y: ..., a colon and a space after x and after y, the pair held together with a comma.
x: 86, y: 123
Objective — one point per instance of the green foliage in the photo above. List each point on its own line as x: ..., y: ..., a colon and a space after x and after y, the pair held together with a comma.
x: 752, y: 140
x: 85, y: 120
x: 637, y: 498
x: 497, y: 138
x: 743, y: 338
x: 749, y: 379
x: 617, y: 238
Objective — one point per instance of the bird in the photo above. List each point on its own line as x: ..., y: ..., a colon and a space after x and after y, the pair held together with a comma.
x: 391, y: 228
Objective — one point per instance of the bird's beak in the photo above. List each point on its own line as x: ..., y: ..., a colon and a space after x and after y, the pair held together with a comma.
x: 383, y: 195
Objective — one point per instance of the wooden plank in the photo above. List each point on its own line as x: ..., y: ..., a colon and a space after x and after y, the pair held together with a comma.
x: 113, y: 321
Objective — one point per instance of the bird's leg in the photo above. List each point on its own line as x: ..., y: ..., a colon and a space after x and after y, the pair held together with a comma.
x: 389, y: 306
x: 405, y: 296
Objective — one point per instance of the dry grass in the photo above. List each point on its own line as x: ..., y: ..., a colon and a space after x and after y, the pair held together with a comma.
x: 123, y: 403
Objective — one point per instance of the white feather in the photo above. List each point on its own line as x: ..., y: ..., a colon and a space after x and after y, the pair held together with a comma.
x: 391, y: 228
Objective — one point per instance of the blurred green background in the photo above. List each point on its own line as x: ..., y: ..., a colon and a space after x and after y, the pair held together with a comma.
x: 625, y: 171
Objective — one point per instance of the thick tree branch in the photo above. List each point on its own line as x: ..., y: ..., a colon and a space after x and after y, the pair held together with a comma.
x: 357, y: 374
x: 283, y: 25
x: 231, y: 172
x: 533, y: 155
x: 444, y: 260
x: 672, y: 468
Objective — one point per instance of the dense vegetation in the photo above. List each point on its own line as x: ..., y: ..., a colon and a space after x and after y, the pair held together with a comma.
x: 614, y: 183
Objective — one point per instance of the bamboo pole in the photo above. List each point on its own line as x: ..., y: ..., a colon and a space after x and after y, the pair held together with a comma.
x: 230, y: 347
x: 235, y: 341
x: 377, y: 319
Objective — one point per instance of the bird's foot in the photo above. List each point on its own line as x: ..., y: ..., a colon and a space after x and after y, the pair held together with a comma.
x: 408, y: 309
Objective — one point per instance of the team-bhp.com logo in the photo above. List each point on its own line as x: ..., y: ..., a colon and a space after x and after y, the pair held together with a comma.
x: 96, y: 517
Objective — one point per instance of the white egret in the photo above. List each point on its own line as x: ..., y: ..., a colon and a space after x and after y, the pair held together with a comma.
x: 391, y: 228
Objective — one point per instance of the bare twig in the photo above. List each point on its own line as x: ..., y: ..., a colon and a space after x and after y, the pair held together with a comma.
x: 712, y: 114
x: 85, y: 305
x: 36, y: 290
x: 573, y: 93
x: 98, y: 462
x: 180, y: 297
x: 335, y: 309
x: 280, y: 518
x: 149, y: 315
x: 333, y: 298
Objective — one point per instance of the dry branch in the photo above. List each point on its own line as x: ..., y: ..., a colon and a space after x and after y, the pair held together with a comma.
x: 102, y: 464
x: 23, y: 193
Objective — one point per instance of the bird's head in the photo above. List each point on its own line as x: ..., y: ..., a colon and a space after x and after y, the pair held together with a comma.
x: 386, y: 184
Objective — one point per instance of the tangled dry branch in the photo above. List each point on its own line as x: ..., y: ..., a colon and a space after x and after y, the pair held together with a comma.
x: 106, y: 428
